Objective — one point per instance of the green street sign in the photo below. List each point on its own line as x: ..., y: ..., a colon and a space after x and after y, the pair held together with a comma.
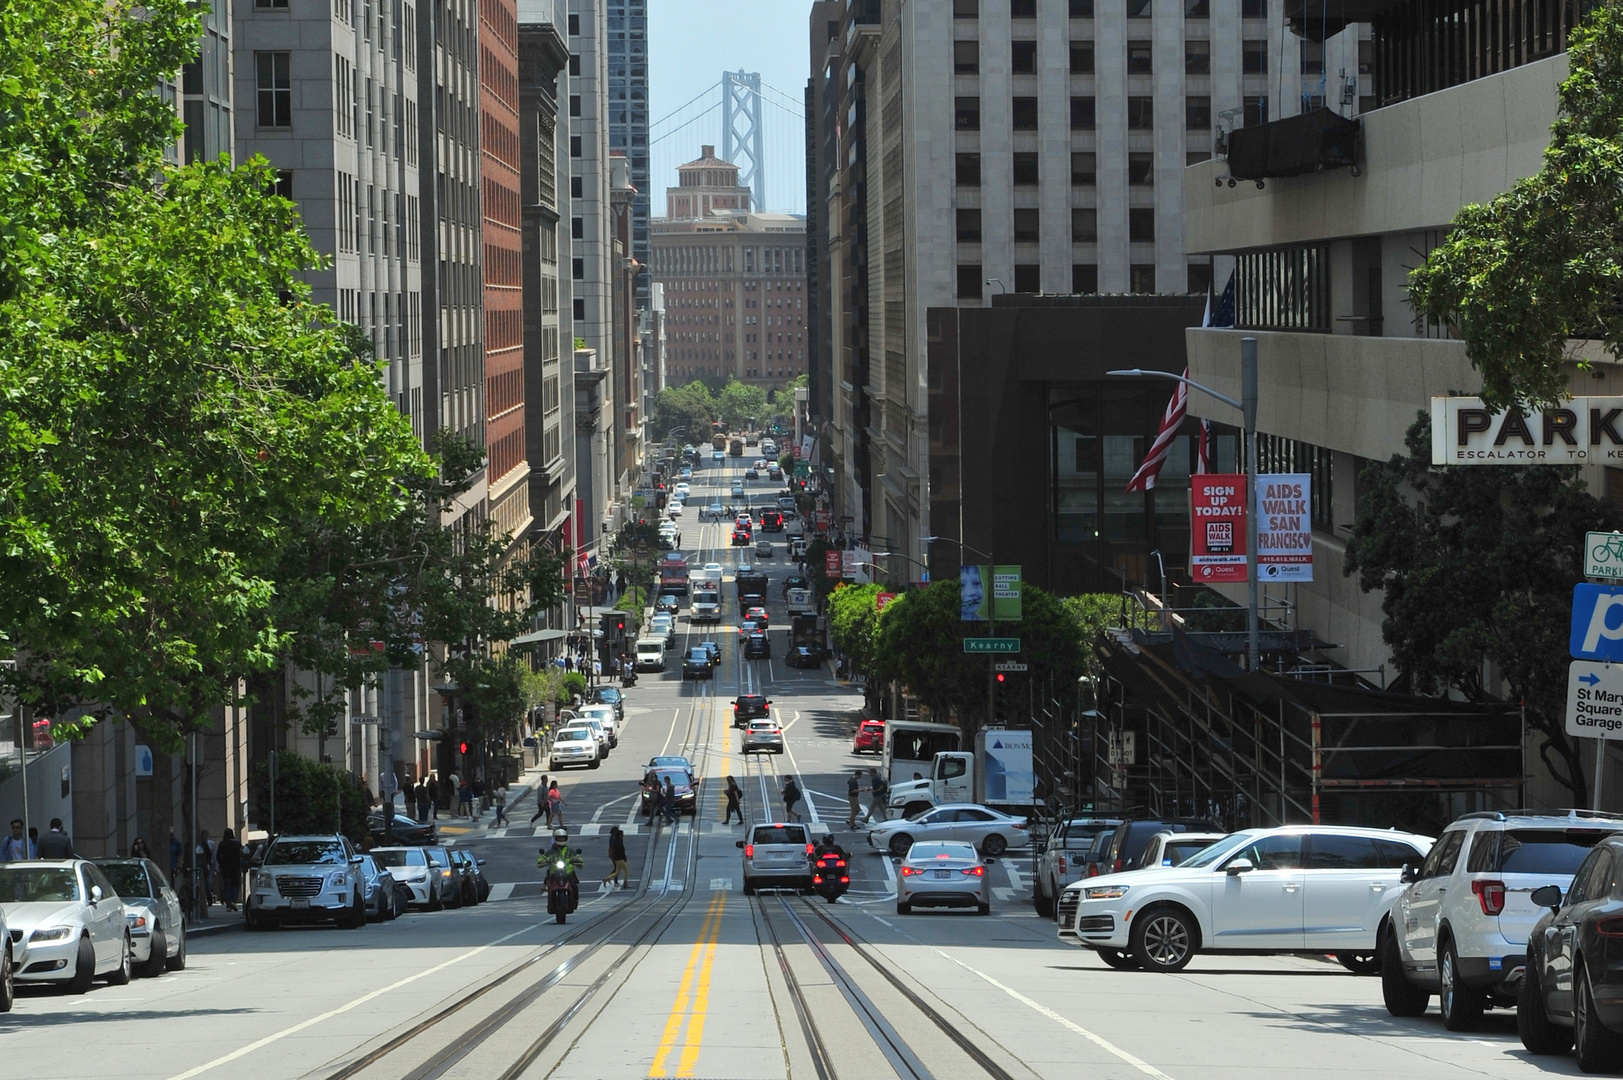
x: 991, y: 644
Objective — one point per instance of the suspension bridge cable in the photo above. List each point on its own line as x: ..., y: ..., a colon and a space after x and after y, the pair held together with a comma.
x: 686, y: 123
x: 679, y: 108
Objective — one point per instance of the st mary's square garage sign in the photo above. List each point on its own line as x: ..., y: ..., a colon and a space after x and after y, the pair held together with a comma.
x: 1582, y: 431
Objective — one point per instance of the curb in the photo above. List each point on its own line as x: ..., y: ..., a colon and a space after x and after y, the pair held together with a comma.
x: 214, y: 929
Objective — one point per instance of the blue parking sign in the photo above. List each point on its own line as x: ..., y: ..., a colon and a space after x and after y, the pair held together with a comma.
x: 1597, y: 622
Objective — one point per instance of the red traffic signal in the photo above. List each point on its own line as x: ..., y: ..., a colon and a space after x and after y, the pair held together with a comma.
x: 999, y: 679
x: 463, y: 747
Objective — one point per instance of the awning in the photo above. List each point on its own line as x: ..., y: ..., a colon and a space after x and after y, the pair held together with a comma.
x: 539, y: 636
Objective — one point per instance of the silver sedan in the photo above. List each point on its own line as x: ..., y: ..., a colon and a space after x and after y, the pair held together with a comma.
x: 70, y: 922
x: 152, y: 909
x: 946, y: 873
x: 990, y: 830
x: 763, y: 735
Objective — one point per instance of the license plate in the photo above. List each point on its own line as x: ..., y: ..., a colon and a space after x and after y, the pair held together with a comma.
x: 300, y: 903
x: 942, y: 875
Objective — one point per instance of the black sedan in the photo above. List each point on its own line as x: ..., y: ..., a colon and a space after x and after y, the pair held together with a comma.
x: 408, y: 832
x: 696, y: 664
x: 757, y: 646
x: 687, y: 798
x: 1572, y: 994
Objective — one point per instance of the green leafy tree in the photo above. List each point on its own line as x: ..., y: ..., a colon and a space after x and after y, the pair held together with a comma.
x: 689, y: 409
x: 1476, y: 567
x: 739, y: 402
x: 853, y: 622
x: 1521, y: 275
x: 312, y: 797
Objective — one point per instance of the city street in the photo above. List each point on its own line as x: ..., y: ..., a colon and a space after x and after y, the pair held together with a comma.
x: 683, y: 975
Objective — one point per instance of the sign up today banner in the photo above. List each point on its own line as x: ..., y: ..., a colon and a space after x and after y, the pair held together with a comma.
x: 1217, y: 527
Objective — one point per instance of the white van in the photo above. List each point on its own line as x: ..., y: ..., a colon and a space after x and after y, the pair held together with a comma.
x: 651, y: 654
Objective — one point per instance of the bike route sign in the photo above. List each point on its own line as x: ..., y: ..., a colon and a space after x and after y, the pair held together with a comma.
x: 1603, y: 555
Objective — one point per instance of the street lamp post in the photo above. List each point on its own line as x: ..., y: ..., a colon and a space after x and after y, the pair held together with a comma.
x: 1248, y: 411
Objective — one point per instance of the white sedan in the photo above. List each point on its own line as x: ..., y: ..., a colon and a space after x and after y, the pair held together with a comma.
x: 1297, y: 888
x: 989, y: 830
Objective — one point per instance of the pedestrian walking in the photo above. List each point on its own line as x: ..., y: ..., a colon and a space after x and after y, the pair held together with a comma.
x: 419, y: 793
x: 735, y: 798
x: 569, y: 663
x: 672, y: 811
x: 204, y: 856
x: 853, y: 798
x: 176, y: 850
x: 433, y: 797
x: 791, y: 796
x: 617, y: 856
x: 228, y: 856
x: 16, y: 847
x: 654, y: 799
x: 501, y: 808
x: 464, y: 799
x: 55, y: 844
x: 555, y: 807
x: 879, y: 795
x: 540, y: 800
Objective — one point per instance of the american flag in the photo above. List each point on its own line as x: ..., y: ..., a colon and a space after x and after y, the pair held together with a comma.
x: 1178, y: 407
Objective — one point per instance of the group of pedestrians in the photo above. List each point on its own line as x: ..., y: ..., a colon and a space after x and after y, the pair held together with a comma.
x: 659, y: 800
x: 878, y: 797
x: 550, y: 803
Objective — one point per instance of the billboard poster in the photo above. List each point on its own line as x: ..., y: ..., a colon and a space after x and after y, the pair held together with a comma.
x: 1284, y: 527
x: 883, y: 599
x: 974, y: 600
x: 1217, y: 527
x: 1006, y: 592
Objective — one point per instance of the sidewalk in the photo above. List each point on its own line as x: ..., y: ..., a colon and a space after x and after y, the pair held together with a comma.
x: 220, y: 921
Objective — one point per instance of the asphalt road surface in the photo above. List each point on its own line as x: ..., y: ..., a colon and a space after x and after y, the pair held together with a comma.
x: 683, y: 975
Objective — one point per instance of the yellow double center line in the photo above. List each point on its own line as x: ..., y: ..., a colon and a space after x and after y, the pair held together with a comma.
x: 692, y: 997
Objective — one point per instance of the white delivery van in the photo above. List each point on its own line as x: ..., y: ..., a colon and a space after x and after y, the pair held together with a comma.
x: 651, y: 654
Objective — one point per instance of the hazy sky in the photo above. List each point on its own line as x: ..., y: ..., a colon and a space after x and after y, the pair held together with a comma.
x: 690, y: 44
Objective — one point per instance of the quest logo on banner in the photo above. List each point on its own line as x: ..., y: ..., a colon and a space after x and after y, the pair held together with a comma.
x: 1217, y: 527
x: 1284, y: 527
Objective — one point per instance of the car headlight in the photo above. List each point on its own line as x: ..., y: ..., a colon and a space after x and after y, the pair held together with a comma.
x: 51, y: 933
x: 1105, y: 892
x: 263, y: 880
x: 339, y: 878
x: 137, y: 922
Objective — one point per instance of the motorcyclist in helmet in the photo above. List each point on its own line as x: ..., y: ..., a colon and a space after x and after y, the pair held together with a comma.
x: 561, y: 852
x: 826, y: 846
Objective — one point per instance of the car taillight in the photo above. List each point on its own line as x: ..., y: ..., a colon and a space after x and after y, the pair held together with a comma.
x: 1093, y: 869
x: 749, y: 851
x: 1062, y: 864
x: 975, y: 871
x: 1115, y: 867
x: 1612, y: 927
x: 811, y: 849
x: 908, y: 871
x: 1491, y: 894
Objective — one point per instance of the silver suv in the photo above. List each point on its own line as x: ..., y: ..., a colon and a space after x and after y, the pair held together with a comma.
x: 307, y: 879
x: 1459, y: 930
x: 1063, y: 859
x: 777, y: 855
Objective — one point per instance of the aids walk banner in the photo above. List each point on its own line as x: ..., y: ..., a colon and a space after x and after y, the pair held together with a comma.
x: 1284, y: 527
x: 1217, y: 527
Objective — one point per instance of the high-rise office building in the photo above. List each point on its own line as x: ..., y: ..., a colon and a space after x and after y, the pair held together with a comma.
x: 628, y: 117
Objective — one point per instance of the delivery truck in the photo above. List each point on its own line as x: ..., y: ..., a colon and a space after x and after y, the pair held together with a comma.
x: 997, y: 773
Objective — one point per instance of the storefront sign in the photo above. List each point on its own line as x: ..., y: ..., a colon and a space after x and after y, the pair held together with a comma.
x: 1217, y: 527
x: 1284, y: 527
x: 1582, y: 431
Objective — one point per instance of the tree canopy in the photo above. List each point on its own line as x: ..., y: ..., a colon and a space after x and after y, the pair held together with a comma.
x: 1476, y: 567
x: 689, y: 409
x: 1520, y: 276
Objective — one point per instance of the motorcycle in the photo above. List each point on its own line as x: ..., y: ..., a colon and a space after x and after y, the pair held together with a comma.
x: 831, y: 875
x: 560, y: 892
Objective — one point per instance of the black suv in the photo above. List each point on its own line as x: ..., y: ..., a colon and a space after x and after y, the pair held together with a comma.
x: 610, y: 695
x: 696, y: 664
x: 1130, y: 839
x: 747, y: 707
x: 757, y: 646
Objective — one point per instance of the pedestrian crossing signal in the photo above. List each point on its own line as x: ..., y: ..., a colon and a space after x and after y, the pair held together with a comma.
x: 462, y: 747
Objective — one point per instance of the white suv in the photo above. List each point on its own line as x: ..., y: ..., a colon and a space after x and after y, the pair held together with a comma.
x: 1459, y: 929
x: 307, y: 879
x: 1298, y: 888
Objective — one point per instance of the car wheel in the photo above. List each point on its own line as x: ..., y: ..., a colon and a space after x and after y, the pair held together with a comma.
x: 1163, y: 939
x: 1461, y: 1005
x: 8, y: 982
x: 983, y: 909
x: 903, y: 908
x: 177, y: 962
x: 1116, y: 958
x: 1532, y: 1022
x: 1360, y: 963
x: 458, y: 902
x: 749, y: 887
x: 1403, y: 998
x: 1042, y: 902
x: 84, y: 968
x: 1598, y: 1049
x: 155, y: 964
x: 993, y: 845
x: 595, y: 763
x: 435, y: 901
x: 899, y: 844
x: 120, y: 976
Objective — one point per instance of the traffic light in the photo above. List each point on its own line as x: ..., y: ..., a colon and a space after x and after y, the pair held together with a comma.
x: 462, y: 747
x: 1000, y: 677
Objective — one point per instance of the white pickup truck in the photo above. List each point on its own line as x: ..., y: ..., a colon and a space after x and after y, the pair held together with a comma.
x: 1063, y: 859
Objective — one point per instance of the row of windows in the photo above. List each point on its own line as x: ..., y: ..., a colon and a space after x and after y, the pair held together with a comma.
x: 503, y: 391
x: 1083, y: 9
x: 1197, y: 57
x: 504, y: 329
x: 1084, y: 168
x: 1084, y: 225
x: 1028, y: 278
x: 503, y: 266
x: 508, y: 453
x: 1140, y: 113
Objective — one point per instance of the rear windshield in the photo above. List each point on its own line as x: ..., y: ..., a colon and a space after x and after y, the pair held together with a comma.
x: 780, y: 834
x: 1544, y: 851
x: 402, y: 857
x: 304, y: 852
x: 128, y: 879
x: 940, y: 851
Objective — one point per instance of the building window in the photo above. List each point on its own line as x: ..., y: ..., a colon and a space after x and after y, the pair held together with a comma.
x: 1140, y: 114
x: 1025, y: 114
x: 577, y: 269
x: 1081, y: 9
x: 1253, y: 9
x: 1023, y: 57
x: 1139, y: 56
x: 1256, y: 111
x: 1084, y: 169
x: 1254, y: 58
x: 1025, y: 169
x: 967, y: 113
x: 574, y: 146
x: 1141, y: 226
x: 275, y: 82
x: 965, y: 9
x: 1028, y: 278
x: 1082, y: 114
x: 1197, y: 58
x: 1200, y: 278
x: 1022, y: 9
x: 577, y: 228
x: 283, y: 184
x: 1366, y: 57
x: 1142, y: 277
x: 969, y: 226
x: 1081, y: 58
x: 1141, y: 170
x: 1084, y: 225
x: 579, y: 305
x: 1197, y: 9
x: 1283, y: 289
x: 576, y: 187
x: 969, y: 281
x: 574, y: 104
x: 1084, y: 278
x: 1026, y: 227
x: 1195, y: 157
x: 271, y: 5
x: 574, y: 65
x: 966, y: 57
x: 969, y: 170
x: 1312, y: 57
x: 1197, y: 113
x: 1138, y: 9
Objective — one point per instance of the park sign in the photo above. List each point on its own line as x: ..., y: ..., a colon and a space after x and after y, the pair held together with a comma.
x: 1581, y: 431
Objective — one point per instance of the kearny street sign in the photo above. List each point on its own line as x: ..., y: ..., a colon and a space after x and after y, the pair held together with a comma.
x: 1583, y: 430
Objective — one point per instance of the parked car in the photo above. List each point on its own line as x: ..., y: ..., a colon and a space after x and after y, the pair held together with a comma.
x: 406, y: 830
x: 992, y: 831
x: 762, y: 735
x: 449, y: 872
x: 383, y: 900
x: 604, y: 694
x: 604, y: 715
x: 1128, y: 842
x: 687, y: 797
x: 869, y: 738
x: 574, y: 746
x: 157, y: 922
x: 475, y: 886
x: 804, y: 656
x: 70, y: 922
x: 943, y: 873
x: 1297, y: 888
x: 410, y: 867
x: 1172, y: 848
x: 306, y: 879
x: 1570, y: 995
x: 1460, y: 928
x: 777, y: 855
x: 1062, y: 859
